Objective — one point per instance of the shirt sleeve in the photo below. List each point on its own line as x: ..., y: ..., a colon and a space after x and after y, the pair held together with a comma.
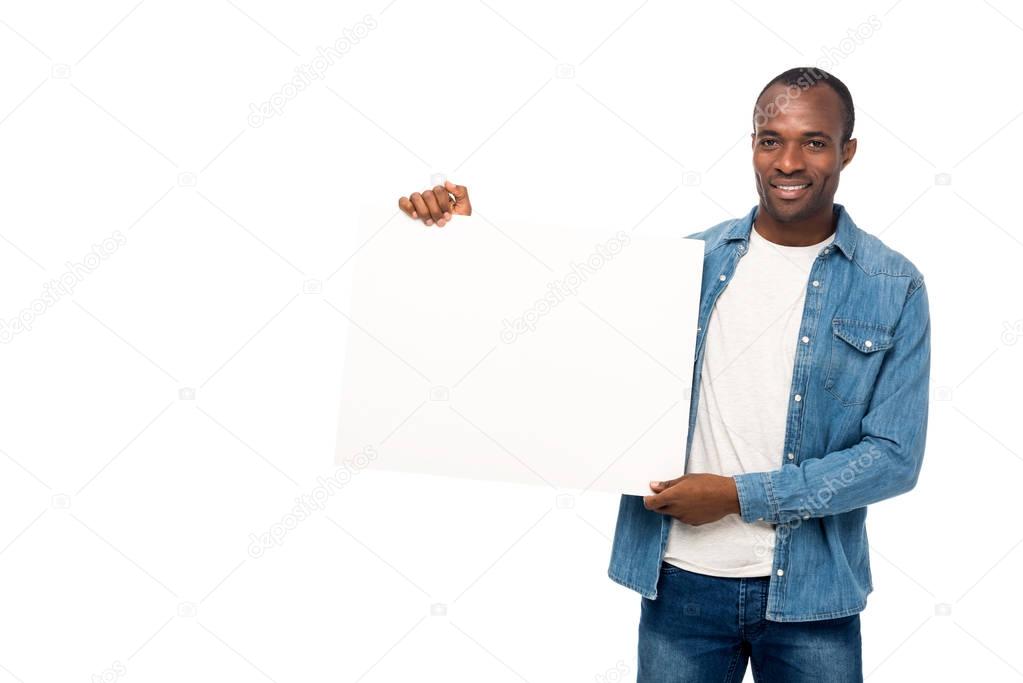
x: 884, y: 463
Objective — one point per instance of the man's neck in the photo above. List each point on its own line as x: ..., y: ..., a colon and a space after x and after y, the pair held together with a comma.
x: 804, y: 233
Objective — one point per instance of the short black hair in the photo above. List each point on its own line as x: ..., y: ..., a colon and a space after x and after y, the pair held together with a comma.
x: 805, y: 77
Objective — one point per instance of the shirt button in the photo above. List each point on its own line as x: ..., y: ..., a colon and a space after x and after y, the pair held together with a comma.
x: 760, y: 519
x: 798, y: 397
x: 827, y: 251
x: 806, y: 516
x: 816, y: 283
x: 868, y: 343
x: 806, y: 340
x: 721, y: 277
x: 781, y: 572
x: 791, y: 456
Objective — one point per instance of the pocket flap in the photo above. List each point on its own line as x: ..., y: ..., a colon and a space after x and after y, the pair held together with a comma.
x: 863, y: 335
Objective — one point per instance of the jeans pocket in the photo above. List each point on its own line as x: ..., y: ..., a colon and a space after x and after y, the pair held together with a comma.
x: 669, y: 569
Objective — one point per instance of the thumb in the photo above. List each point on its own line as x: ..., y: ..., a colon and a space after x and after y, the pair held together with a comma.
x: 461, y: 195
x: 458, y: 190
x: 661, y: 485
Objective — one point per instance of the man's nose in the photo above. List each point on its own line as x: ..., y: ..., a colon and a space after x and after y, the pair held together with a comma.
x: 791, y: 160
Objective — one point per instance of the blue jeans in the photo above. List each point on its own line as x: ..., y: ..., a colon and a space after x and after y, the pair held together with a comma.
x: 705, y: 628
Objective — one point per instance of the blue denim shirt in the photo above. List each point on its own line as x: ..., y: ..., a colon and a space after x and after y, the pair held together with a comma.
x: 854, y: 434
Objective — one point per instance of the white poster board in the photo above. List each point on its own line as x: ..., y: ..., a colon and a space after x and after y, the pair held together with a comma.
x: 520, y: 351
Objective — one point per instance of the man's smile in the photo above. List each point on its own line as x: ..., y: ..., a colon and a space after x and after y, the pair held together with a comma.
x: 788, y: 190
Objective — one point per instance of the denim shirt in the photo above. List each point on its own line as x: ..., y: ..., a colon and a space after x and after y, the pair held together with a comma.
x: 854, y: 433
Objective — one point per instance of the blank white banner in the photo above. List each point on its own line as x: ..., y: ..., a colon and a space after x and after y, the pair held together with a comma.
x: 520, y: 351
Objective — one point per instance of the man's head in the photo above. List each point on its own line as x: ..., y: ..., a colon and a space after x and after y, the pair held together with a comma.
x: 802, y: 135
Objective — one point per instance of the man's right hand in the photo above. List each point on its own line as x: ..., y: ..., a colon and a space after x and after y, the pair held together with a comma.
x: 436, y: 206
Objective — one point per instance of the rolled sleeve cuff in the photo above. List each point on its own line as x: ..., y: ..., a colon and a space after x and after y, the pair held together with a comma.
x: 756, y: 497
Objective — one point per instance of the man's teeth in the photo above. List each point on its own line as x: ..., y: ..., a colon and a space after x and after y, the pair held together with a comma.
x: 791, y: 187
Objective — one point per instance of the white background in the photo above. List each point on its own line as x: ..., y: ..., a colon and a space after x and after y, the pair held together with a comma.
x: 175, y: 405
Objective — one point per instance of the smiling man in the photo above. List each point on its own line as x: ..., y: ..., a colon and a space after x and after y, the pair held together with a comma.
x: 809, y: 402
x: 810, y: 398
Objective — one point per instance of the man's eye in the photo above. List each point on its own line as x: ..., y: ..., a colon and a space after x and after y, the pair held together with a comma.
x: 819, y: 142
x: 764, y: 142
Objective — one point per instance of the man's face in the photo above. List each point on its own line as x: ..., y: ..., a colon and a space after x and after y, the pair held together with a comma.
x: 799, y: 143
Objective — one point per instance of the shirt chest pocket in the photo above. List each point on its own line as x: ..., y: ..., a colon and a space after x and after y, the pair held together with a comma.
x: 857, y: 349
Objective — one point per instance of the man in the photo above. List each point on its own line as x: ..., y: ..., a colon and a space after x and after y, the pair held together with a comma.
x: 814, y: 380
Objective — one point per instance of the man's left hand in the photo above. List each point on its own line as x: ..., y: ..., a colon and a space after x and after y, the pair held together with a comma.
x: 694, y: 498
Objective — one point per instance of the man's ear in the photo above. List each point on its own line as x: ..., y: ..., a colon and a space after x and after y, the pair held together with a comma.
x: 848, y: 152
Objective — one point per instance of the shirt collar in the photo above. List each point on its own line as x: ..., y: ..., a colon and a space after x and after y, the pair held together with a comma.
x: 845, y: 229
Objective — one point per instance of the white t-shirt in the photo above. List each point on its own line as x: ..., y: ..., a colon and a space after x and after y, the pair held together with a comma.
x: 744, y: 399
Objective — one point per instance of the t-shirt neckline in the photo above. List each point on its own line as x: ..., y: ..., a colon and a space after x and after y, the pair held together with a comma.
x: 786, y: 247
